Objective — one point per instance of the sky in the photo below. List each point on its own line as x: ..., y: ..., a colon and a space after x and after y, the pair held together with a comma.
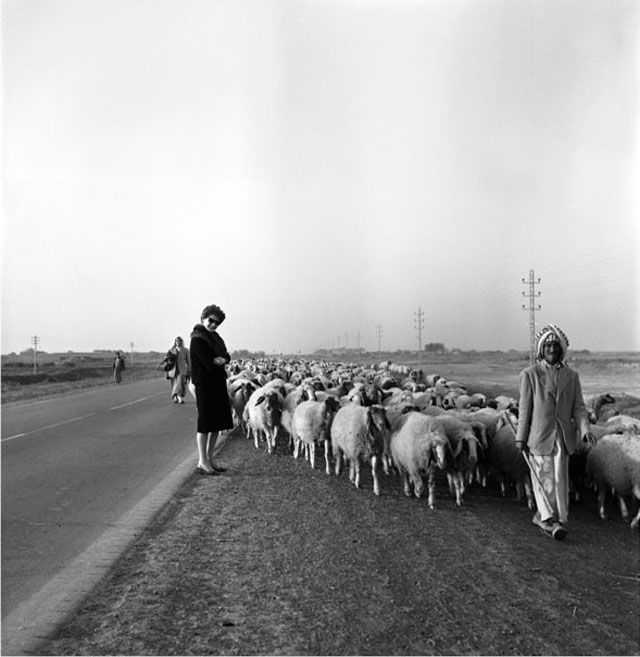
x: 379, y: 174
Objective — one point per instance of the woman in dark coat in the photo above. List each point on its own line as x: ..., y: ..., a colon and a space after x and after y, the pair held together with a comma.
x: 208, y: 359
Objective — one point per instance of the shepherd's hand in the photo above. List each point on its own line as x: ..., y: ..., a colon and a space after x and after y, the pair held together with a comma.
x: 522, y: 446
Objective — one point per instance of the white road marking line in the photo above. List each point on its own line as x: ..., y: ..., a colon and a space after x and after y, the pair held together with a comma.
x: 75, y: 419
x: 137, y: 401
x: 51, y: 426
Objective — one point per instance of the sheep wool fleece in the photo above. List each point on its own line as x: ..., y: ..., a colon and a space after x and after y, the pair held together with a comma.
x: 210, y: 380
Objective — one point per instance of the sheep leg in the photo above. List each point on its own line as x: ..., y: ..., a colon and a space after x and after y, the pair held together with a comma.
x: 374, y: 474
x: 356, y: 472
x: 296, y: 448
x: 326, y: 457
x: 418, y: 484
x: 636, y: 521
x: 256, y: 438
x: 451, y: 483
x: 602, y: 494
x: 337, y: 455
x: 623, y: 508
x: 528, y: 491
x: 312, y: 455
x: 432, y: 490
x: 457, y: 483
x: 407, y: 484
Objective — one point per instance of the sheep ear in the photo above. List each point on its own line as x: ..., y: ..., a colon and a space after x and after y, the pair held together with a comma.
x: 260, y: 400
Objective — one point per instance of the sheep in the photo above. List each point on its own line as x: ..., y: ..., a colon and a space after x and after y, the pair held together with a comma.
x: 240, y: 391
x: 311, y: 425
x: 263, y: 416
x: 507, y: 463
x: 505, y: 403
x: 464, y: 449
x: 622, y: 423
x: 594, y: 405
x: 418, y: 446
x: 303, y: 392
x: 395, y: 416
x: 614, y: 461
x: 358, y: 432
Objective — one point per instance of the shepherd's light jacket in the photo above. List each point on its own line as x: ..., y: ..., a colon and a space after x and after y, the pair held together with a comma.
x: 550, y: 399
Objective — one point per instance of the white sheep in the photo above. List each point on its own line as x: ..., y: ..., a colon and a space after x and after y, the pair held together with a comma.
x: 620, y: 423
x: 240, y: 390
x: 614, y: 461
x: 263, y: 416
x: 358, y: 433
x: 464, y: 453
x: 303, y: 392
x: 418, y: 446
x: 310, y: 427
x: 594, y: 404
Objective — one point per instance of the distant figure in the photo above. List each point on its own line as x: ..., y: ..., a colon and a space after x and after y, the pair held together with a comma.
x: 118, y: 366
x: 209, y: 356
x: 551, y: 411
x: 180, y: 373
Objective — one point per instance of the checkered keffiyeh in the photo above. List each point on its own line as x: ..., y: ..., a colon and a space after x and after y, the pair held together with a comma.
x: 549, y: 333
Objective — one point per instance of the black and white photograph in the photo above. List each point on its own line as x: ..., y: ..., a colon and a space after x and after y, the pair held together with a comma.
x: 320, y: 327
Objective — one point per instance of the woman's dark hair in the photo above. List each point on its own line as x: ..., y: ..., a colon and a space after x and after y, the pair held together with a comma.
x: 213, y: 310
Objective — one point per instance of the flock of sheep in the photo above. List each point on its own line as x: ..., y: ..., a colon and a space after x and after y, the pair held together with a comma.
x: 395, y: 418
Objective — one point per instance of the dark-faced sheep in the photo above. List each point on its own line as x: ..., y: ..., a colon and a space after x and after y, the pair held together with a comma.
x: 506, y: 462
x: 358, y: 434
x: 418, y: 447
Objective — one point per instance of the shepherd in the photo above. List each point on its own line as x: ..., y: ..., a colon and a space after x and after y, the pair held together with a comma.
x: 551, y: 410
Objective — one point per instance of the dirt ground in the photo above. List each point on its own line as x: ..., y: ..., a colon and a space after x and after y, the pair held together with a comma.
x: 273, y: 558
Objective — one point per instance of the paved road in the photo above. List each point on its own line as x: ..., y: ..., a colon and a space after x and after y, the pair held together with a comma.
x: 75, y: 471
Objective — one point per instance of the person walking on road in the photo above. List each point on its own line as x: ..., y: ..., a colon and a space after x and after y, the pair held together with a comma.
x: 551, y: 411
x: 180, y: 373
x: 118, y: 366
x: 209, y: 356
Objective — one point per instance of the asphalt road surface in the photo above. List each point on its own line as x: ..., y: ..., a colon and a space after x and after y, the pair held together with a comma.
x: 81, y: 476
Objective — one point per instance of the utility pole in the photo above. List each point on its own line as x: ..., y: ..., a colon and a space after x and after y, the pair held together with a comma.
x: 131, y: 343
x: 358, y: 339
x: 35, y: 353
x: 418, y: 323
x: 379, y: 334
x: 532, y: 295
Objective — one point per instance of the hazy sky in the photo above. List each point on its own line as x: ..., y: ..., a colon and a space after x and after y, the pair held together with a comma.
x: 320, y: 169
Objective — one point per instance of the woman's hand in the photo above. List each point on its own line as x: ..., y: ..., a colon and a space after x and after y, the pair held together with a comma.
x: 219, y: 360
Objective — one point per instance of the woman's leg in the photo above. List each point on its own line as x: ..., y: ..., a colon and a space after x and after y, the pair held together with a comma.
x: 202, y: 440
x: 211, y: 443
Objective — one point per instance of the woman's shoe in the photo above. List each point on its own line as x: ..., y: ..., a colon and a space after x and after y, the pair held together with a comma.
x: 219, y: 468
x: 200, y: 470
